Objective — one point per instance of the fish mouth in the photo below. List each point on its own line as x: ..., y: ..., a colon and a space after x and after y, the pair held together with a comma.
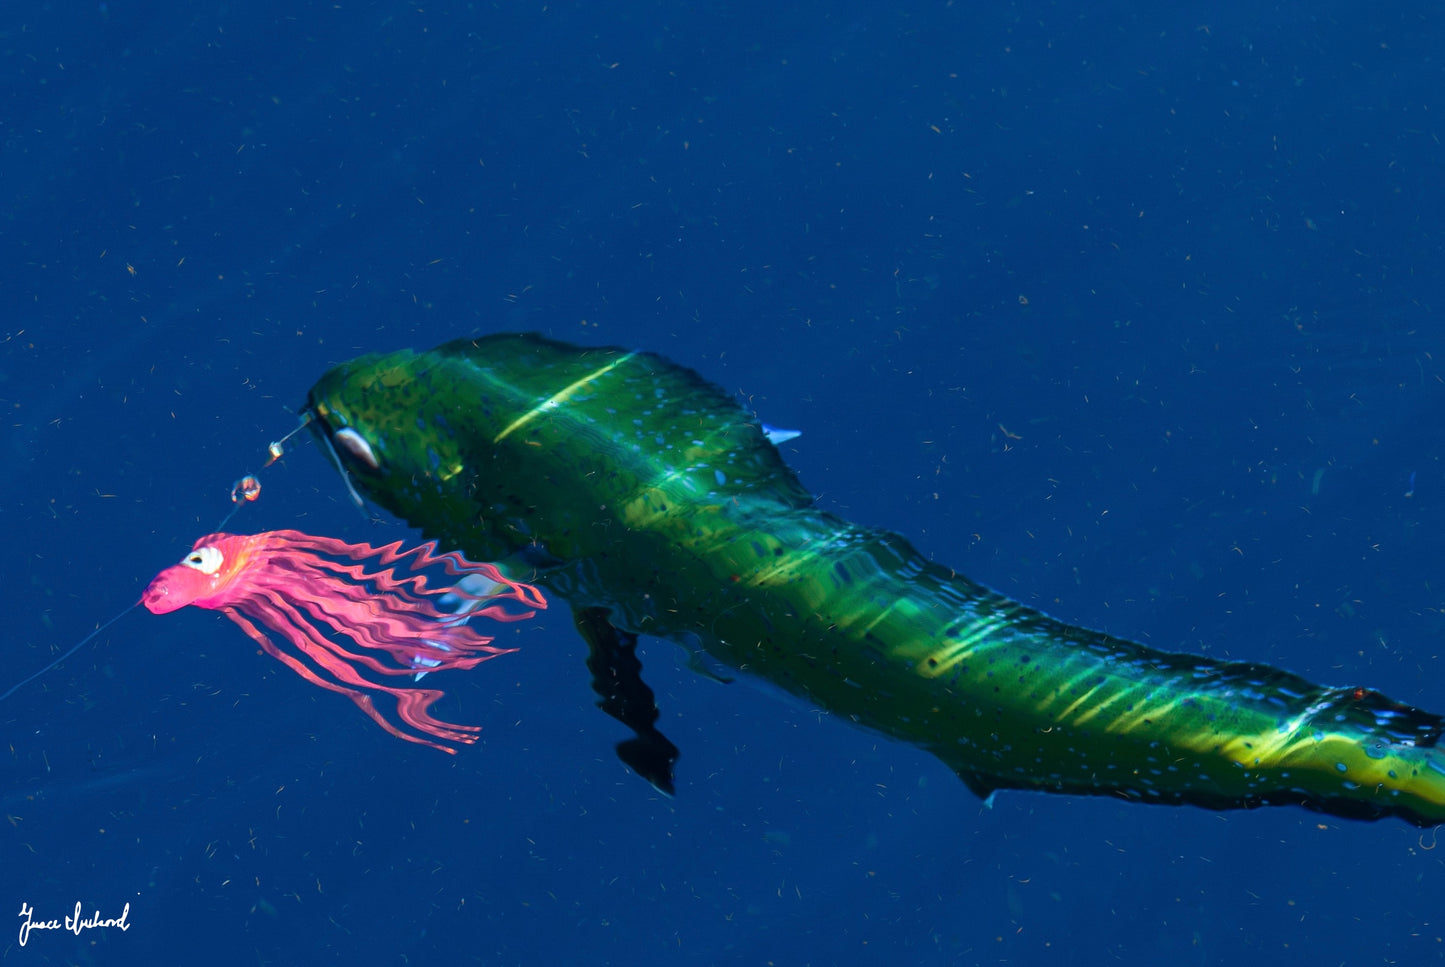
x: 351, y: 453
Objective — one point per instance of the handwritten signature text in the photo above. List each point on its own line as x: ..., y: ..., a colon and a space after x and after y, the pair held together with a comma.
x: 75, y: 923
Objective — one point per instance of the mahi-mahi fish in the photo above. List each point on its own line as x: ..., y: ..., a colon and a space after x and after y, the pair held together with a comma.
x: 654, y: 504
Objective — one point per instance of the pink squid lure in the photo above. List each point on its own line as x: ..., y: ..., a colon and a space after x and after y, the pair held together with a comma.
x: 349, y: 616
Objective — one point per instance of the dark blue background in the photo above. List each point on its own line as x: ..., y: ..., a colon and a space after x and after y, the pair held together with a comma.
x: 1124, y: 309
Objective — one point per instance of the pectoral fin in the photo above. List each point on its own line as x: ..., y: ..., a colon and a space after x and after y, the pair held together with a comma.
x: 617, y: 678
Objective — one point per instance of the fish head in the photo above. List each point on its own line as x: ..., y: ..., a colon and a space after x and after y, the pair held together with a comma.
x: 418, y: 434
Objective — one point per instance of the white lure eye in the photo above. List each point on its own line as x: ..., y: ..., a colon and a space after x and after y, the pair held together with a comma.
x: 355, y: 444
x: 207, y: 560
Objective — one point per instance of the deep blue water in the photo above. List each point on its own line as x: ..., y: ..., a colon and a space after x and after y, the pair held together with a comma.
x: 1126, y: 310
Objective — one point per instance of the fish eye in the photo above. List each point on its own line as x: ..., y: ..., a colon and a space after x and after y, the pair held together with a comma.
x: 207, y: 560
x: 356, y: 446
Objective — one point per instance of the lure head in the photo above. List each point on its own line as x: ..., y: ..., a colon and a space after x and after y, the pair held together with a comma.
x: 202, y: 577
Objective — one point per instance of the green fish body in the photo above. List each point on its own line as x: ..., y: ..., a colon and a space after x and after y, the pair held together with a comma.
x: 653, y: 504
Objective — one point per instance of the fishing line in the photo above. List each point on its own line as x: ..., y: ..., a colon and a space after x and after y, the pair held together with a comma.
x: 243, y: 491
x: 248, y: 488
x: 73, y: 649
